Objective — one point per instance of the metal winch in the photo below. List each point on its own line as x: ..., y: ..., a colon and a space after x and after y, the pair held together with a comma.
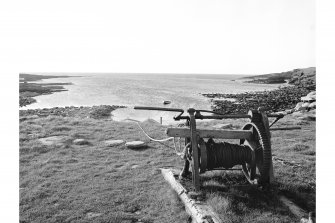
x: 202, y: 153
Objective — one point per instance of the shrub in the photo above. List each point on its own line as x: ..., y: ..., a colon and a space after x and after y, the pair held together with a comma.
x: 99, y: 112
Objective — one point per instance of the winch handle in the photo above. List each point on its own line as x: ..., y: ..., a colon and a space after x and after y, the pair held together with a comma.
x: 159, y: 109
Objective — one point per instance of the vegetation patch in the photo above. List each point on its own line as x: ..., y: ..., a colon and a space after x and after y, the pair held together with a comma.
x: 100, y: 112
x: 300, y: 147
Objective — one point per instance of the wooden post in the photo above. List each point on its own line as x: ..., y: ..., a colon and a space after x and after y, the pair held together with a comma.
x: 161, y: 120
x: 195, y: 156
x: 199, y: 211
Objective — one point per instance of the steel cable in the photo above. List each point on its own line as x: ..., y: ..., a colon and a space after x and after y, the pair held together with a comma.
x: 157, y: 140
x: 226, y: 154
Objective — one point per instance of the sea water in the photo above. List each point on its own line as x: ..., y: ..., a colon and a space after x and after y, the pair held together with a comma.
x: 183, y: 90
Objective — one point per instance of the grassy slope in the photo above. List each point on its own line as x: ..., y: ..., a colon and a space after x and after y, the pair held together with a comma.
x: 68, y: 182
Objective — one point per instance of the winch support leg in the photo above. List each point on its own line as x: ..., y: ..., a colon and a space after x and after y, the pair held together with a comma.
x: 195, y: 155
x: 186, y: 169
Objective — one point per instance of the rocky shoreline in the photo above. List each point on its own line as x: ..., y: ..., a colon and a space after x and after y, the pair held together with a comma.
x: 302, y: 82
x: 272, y: 101
x: 96, y: 112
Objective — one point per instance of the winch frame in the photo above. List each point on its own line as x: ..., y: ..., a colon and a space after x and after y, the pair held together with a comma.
x: 255, y: 134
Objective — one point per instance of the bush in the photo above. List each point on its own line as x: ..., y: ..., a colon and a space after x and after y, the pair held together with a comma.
x: 99, y: 112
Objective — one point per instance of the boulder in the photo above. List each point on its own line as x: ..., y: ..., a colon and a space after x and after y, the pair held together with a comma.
x: 135, y: 144
x: 80, y: 142
x: 52, y: 140
x: 308, y: 98
x: 113, y: 142
x: 299, y: 107
x: 93, y: 215
x: 305, y: 105
x: 312, y: 94
x: 312, y: 105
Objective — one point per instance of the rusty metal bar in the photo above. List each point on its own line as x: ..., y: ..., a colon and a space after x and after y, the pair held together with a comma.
x: 206, y: 133
x: 285, y: 128
x: 222, y: 116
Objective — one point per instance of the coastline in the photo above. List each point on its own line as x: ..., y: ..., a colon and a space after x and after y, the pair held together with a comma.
x: 96, y: 112
x: 28, y: 90
x: 299, y: 83
x: 276, y: 100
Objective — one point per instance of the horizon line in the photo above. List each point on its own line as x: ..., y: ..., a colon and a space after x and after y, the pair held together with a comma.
x: 159, y: 73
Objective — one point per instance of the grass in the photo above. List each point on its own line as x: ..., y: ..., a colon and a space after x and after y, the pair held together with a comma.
x: 95, y: 183
x: 295, y: 182
x: 72, y: 183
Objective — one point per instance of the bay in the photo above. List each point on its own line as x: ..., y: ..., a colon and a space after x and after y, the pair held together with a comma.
x: 183, y: 90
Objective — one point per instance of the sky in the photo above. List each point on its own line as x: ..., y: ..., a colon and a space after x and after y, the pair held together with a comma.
x: 217, y: 37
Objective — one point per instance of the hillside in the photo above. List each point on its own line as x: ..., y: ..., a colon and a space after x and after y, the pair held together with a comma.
x: 305, y: 77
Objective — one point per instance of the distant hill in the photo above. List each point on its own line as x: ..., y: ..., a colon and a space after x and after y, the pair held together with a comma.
x: 37, y: 77
x: 305, y: 77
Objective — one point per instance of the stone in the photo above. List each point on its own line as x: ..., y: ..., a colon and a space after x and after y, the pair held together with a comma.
x: 223, y: 126
x: 307, y: 98
x: 52, y: 140
x: 312, y: 105
x: 135, y: 166
x: 93, y: 215
x: 113, y: 142
x: 298, y: 106
x: 305, y: 105
x: 135, y: 144
x: 312, y: 95
x: 80, y: 142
